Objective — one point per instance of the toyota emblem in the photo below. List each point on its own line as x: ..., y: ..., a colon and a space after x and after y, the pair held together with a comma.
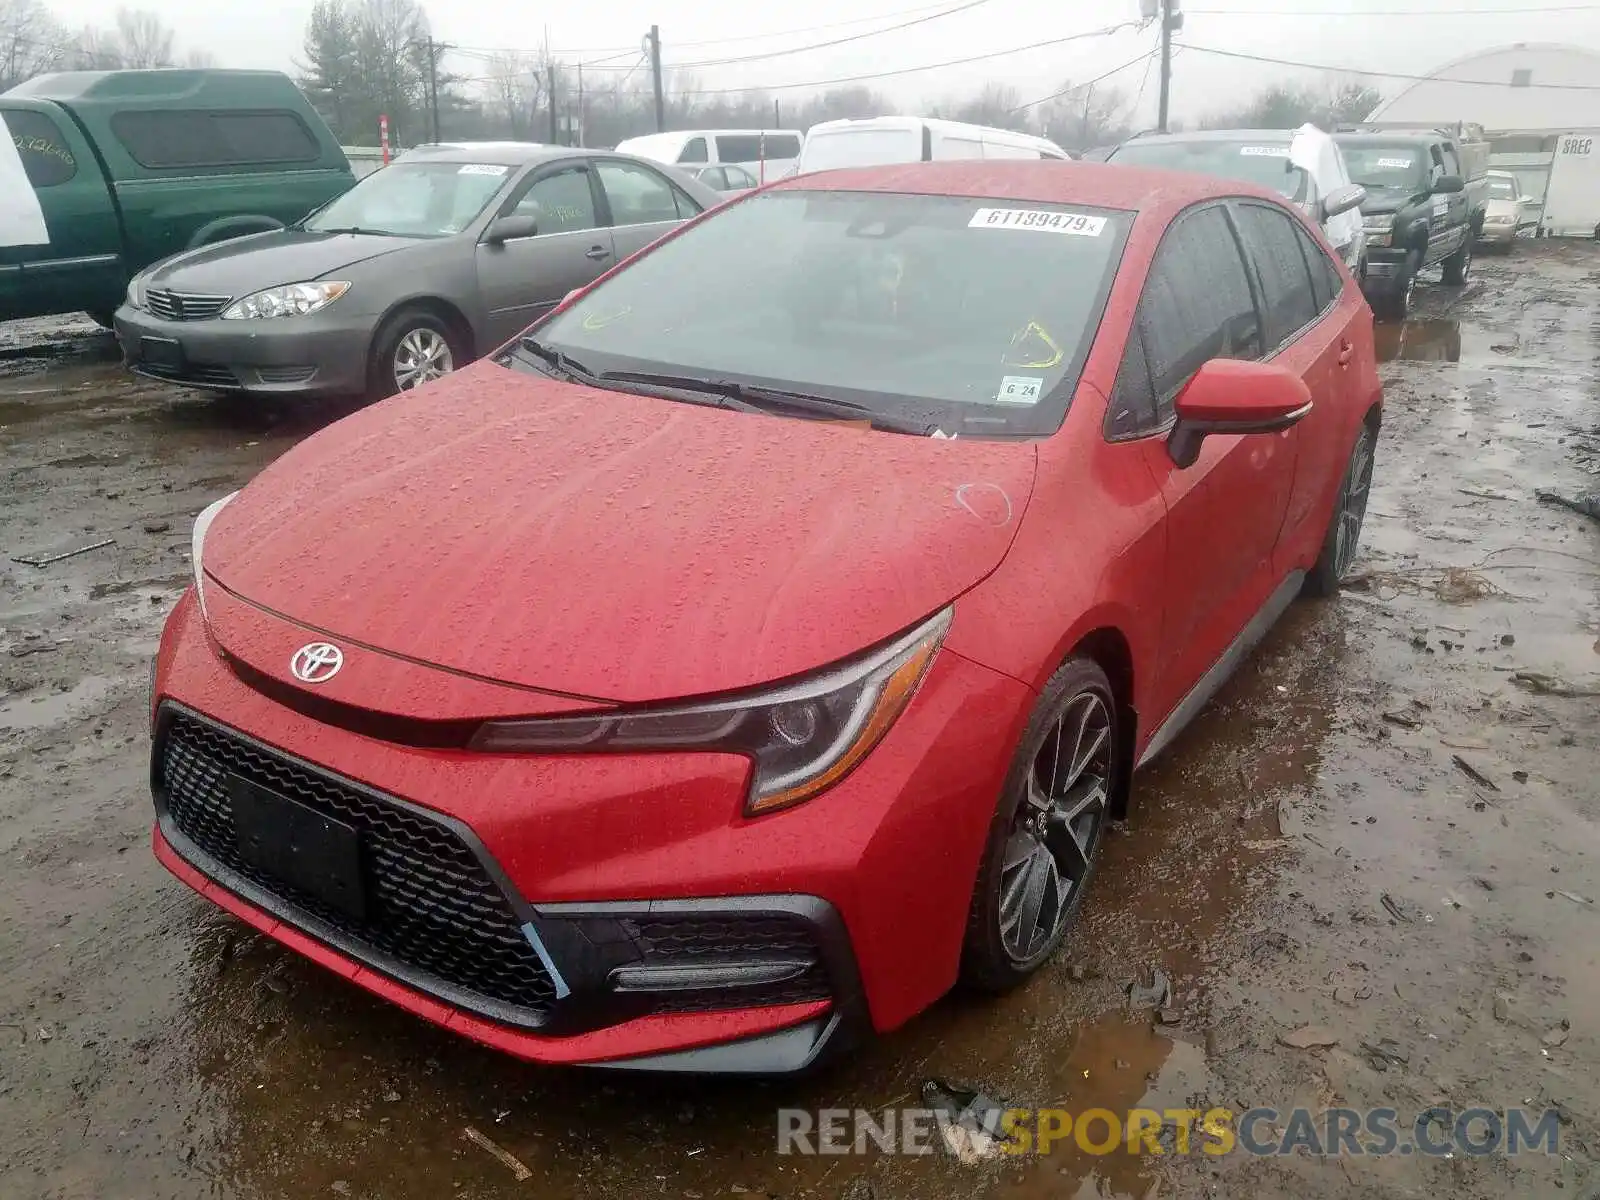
x: 317, y: 662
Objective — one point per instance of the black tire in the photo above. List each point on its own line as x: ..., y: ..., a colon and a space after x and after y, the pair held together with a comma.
x: 408, y: 327
x: 1458, y: 266
x: 102, y: 317
x: 1343, y: 538
x: 1065, y: 835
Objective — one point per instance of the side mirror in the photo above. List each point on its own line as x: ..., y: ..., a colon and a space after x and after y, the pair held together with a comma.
x: 1447, y: 184
x: 1228, y: 396
x: 503, y: 229
x: 1343, y: 199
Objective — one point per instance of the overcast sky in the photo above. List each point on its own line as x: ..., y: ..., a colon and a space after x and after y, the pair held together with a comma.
x: 1335, y: 32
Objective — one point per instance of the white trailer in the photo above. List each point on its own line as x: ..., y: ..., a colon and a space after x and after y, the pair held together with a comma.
x: 1572, y: 197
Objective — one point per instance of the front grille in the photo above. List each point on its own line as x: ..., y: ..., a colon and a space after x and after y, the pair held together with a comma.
x: 194, y: 373
x: 284, y: 374
x: 184, y: 306
x: 431, y: 906
x: 695, y: 939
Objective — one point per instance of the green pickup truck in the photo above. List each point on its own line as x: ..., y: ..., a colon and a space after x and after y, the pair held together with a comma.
x: 105, y: 172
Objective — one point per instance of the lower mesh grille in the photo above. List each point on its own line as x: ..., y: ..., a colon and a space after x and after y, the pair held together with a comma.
x: 431, y: 906
x: 733, y: 938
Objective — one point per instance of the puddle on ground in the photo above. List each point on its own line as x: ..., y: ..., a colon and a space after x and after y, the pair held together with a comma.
x: 1420, y: 341
x: 40, y: 709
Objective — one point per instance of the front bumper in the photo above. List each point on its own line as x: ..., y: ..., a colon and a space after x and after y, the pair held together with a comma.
x: 599, y: 901
x: 1387, y: 270
x: 321, y: 354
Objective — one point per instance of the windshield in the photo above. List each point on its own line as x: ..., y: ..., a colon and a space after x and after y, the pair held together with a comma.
x: 422, y: 199
x: 1259, y: 162
x: 968, y: 315
x: 1394, y: 167
x: 1502, y: 189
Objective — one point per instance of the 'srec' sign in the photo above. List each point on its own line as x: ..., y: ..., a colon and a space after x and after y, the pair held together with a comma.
x: 1580, y: 147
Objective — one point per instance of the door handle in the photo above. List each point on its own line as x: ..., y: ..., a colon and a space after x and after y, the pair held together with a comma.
x: 1346, y: 353
x: 597, y: 253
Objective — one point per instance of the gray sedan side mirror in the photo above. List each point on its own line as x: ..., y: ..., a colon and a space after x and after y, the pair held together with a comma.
x: 503, y: 229
x: 1343, y: 199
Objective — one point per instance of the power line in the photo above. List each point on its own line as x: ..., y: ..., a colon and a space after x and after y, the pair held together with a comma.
x: 1087, y: 83
x: 855, y: 37
x: 1288, y: 62
x: 615, y: 51
x: 953, y: 62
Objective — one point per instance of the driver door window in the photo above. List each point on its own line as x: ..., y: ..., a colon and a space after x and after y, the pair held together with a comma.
x: 561, y: 202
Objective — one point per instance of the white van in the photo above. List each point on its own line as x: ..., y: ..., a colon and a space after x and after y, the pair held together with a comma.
x: 767, y: 154
x: 879, y: 141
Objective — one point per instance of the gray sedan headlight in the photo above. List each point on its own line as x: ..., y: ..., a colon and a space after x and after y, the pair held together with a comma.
x: 803, y: 737
x: 135, y: 296
x: 291, y: 300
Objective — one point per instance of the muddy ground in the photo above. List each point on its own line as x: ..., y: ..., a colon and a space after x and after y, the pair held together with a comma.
x: 1377, y: 829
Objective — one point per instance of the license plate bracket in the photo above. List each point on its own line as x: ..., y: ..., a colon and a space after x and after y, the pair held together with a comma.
x: 162, y: 352
x: 307, y: 849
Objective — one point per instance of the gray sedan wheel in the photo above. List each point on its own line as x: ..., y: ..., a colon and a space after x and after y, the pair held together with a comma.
x: 414, y: 347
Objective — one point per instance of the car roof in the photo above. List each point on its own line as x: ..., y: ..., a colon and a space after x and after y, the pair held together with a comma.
x: 1389, y: 138
x: 511, y: 154
x: 1269, y: 136
x: 1098, y: 185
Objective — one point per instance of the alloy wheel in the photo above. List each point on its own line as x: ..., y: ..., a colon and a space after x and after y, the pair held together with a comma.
x: 1057, y: 828
x: 1353, y: 504
x: 422, y: 355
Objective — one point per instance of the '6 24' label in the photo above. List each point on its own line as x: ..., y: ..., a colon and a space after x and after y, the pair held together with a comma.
x: 1043, y: 220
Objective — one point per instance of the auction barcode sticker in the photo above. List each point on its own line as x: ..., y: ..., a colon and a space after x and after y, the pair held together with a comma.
x: 1264, y: 151
x: 1042, y: 219
x: 482, y: 169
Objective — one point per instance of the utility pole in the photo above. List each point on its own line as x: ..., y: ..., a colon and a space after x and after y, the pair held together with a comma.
x: 654, y: 38
x: 577, y: 130
x: 1171, y: 22
x: 433, y: 85
x: 777, y: 117
x: 555, y: 139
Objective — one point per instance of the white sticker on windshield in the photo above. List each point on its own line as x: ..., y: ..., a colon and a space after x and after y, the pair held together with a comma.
x: 481, y: 169
x: 1041, y: 219
x: 1265, y: 151
x: 1399, y: 164
x: 1019, y: 389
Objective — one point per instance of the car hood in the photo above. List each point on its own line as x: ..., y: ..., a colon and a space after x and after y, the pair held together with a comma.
x: 610, y: 546
x: 242, y: 265
x: 1501, y: 208
x: 1384, y: 200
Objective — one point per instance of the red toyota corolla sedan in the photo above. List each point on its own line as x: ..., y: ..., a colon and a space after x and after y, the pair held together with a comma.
x: 761, y: 644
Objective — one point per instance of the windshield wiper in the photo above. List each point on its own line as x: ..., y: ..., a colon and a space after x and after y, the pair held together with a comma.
x: 551, y: 356
x: 748, y: 397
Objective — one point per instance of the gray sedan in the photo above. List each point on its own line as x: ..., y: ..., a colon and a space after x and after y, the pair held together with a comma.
x: 418, y: 269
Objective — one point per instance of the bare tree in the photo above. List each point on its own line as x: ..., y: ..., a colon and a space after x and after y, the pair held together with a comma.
x: 516, y: 84
x: 997, y: 105
x: 1083, y: 118
x: 31, y: 41
x: 143, y: 39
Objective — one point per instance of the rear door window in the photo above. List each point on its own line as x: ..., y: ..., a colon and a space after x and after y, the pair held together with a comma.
x: 46, y: 158
x: 1326, y: 282
x: 694, y: 151
x: 741, y: 147
x: 1196, y: 306
x: 163, y: 140
x: 638, y: 196
x: 1287, y: 300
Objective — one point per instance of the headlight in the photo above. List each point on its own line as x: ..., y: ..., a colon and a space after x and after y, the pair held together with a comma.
x: 1378, y: 223
x: 291, y: 300
x: 197, y: 544
x: 1500, y: 220
x: 802, y: 737
x: 135, y: 296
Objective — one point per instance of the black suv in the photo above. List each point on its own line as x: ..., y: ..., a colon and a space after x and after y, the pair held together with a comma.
x: 1418, y: 212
